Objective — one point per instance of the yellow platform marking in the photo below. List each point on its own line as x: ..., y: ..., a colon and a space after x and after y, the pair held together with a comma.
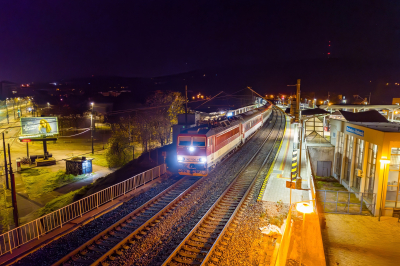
x: 260, y: 195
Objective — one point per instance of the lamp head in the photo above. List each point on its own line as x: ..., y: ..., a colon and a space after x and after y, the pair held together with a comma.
x: 304, y: 207
x: 384, y: 160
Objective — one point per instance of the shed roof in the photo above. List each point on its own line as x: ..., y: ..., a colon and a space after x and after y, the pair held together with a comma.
x: 315, y: 111
x: 367, y: 116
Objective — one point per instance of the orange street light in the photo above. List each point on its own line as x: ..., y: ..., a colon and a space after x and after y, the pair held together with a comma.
x: 304, y: 207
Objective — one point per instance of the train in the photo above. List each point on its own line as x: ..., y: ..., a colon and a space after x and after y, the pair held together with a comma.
x: 201, y: 148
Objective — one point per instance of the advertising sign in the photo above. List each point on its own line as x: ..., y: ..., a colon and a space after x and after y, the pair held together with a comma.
x: 355, y: 131
x: 39, y: 126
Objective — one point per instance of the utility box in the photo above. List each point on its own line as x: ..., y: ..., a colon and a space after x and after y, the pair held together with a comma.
x: 18, y: 164
x: 79, y: 165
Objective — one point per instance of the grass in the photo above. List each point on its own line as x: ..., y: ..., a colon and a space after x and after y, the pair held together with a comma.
x: 5, y: 210
x: 58, y: 202
x: 328, y: 183
x: 40, y: 181
x: 99, y: 159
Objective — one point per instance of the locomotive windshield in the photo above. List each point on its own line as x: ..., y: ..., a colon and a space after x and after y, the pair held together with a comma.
x: 199, y: 141
x: 185, y: 141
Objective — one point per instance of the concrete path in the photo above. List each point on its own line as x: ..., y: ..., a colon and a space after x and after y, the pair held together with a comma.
x: 361, y: 240
x: 276, y: 187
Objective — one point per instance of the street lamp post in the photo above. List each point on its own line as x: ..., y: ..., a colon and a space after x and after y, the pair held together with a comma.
x: 91, y: 127
x: 8, y: 121
x: 304, y: 207
x: 385, y: 162
x: 14, y: 107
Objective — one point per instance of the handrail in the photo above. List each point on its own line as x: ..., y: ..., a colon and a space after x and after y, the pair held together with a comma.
x: 280, y: 254
x: 36, y: 228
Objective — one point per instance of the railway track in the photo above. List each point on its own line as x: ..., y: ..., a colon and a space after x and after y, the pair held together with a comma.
x: 113, y: 240
x: 139, y: 225
x: 132, y: 226
x: 211, y: 232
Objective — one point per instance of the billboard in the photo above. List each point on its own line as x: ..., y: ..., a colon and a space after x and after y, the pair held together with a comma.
x: 39, y: 126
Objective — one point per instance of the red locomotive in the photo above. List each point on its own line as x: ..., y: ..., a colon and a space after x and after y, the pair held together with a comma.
x: 200, y: 148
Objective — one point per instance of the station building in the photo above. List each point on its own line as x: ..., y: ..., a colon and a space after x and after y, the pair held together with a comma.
x: 367, y: 158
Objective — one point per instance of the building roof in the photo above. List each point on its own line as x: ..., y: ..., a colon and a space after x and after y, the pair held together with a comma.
x: 315, y: 111
x: 367, y: 116
x: 361, y: 106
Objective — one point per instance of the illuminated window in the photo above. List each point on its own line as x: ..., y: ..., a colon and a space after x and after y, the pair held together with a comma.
x: 347, y: 160
x: 358, y: 160
x: 371, y: 168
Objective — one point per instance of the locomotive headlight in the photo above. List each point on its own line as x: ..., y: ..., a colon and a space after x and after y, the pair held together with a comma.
x: 203, y: 159
x: 180, y: 158
x: 191, y: 148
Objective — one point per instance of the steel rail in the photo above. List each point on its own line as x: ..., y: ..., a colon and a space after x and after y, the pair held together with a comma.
x: 126, y: 218
x: 219, y: 200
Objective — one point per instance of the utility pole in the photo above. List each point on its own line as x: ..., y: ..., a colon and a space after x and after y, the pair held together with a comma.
x: 5, y: 162
x: 186, y: 122
x: 8, y: 121
x: 297, y: 114
x: 13, y: 191
x: 299, y: 120
x: 14, y: 107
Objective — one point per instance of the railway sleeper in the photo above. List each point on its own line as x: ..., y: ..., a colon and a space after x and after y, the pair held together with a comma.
x: 125, y: 230
x: 191, y: 262
x: 199, y: 244
x: 111, y: 239
x: 194, y: 256
x: 223, y: 210
x: 208, y: 235
x: 221, y: 214
x: 213, y: 226
x: 216, y: 231
x: 122, y: 234
x: 207, y: 241
x: 218, y: 219
x: 96, y: 248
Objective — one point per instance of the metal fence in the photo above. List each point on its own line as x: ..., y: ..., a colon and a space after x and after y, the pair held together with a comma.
x: 34, y: 229
x: 346, y: 202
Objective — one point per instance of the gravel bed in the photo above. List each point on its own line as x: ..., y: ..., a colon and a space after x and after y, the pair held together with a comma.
x: 54, y: 251
x: 156, y: 246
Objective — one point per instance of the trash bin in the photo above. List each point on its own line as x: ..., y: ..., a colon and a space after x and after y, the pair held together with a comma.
x: 18, y: 164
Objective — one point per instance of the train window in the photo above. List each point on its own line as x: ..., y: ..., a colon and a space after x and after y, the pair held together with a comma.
x: 209, y: 142
x: 185, y: 141
x: 199, y: 141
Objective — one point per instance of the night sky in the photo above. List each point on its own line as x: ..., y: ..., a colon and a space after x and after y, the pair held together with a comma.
x: 46, y: 40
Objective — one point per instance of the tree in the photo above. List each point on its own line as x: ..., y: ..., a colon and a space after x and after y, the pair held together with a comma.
x: 169, y: 104
x: 118, y: 152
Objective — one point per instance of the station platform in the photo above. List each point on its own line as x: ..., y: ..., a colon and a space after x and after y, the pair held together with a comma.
x: 276, y: 187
